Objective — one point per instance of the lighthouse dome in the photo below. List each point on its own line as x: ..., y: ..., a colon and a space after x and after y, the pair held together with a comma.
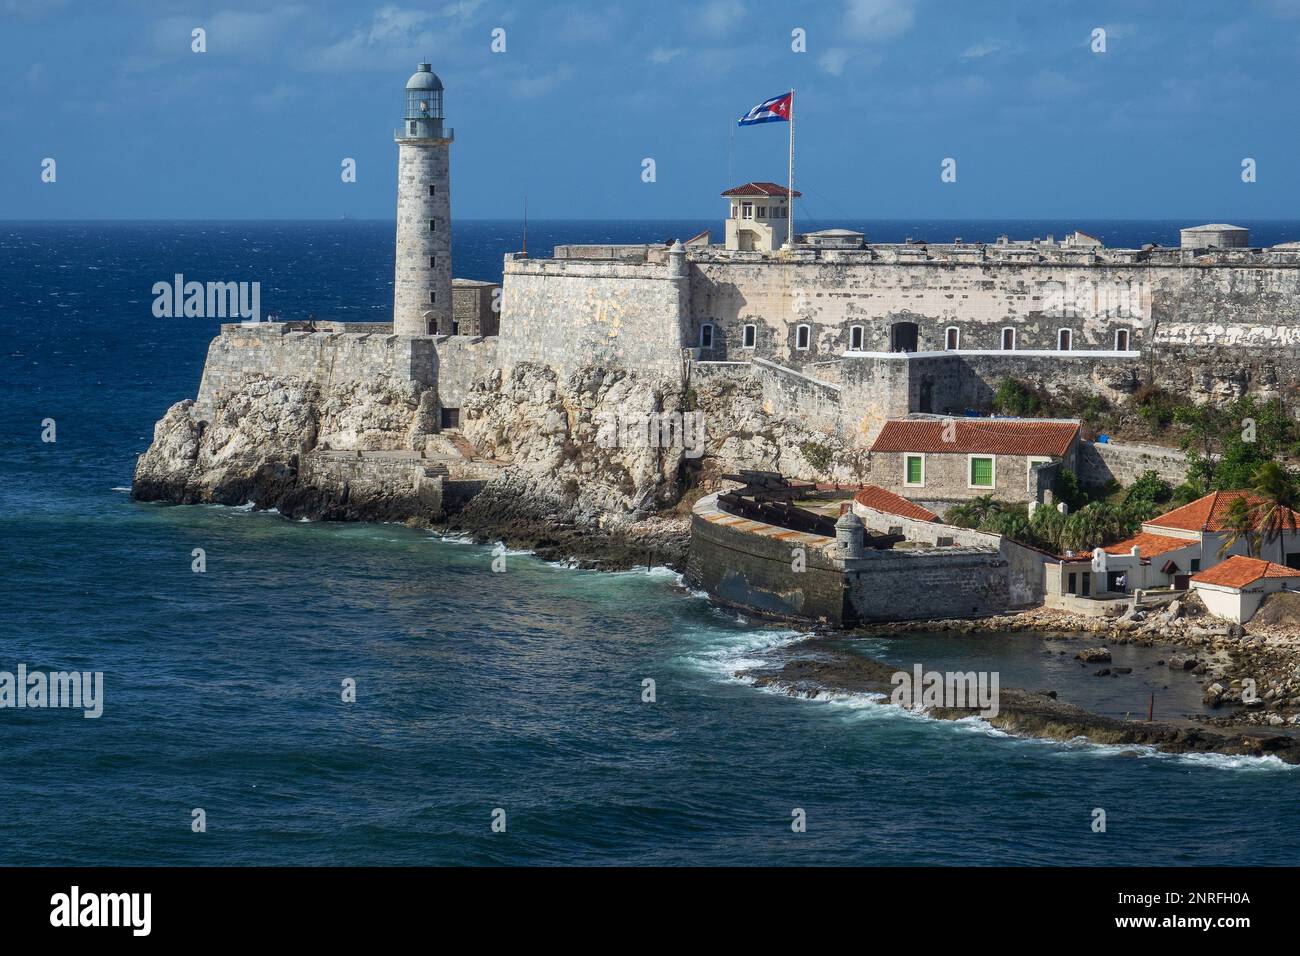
x: 424, y: 79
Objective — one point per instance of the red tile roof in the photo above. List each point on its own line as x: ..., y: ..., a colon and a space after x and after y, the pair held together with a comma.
x: 1208, y: 513
x: 759, y: 189
x: 873, y: 496
x: 1150, y: 545
x: 982, y: 436
x: 1239, y: 571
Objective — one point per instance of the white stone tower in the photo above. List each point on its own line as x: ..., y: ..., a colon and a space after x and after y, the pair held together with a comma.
x: 422, y: 276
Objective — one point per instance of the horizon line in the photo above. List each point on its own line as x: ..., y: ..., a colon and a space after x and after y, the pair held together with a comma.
x: 624, y: 219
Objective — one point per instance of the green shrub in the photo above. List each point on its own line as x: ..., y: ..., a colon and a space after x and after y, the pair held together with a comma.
x: 817, y: 455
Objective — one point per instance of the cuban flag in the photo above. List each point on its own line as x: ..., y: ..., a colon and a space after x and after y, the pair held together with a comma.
x: 775, y: 110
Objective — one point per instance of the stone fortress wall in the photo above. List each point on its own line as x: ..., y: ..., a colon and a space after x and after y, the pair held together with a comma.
x: 572, y: 313
x: 282, y: 351
x: 1209, y: 323
x: 1161, y: 297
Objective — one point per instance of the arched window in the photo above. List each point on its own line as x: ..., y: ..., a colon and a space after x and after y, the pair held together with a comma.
x: 952, y: 338
x: 855, y: 338
x: 1121, y: 340
x: 802, y: 336
x: 751, y: 335
x: 1064, y: 340
x: 706, y: 335
x: 1008, y: 339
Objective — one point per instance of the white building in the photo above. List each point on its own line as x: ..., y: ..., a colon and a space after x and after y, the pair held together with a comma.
x: 758, y: 216
x: 1235, y: 588
x: 1172, y: 548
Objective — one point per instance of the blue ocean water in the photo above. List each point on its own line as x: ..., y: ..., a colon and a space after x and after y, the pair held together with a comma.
x: 475, y: 690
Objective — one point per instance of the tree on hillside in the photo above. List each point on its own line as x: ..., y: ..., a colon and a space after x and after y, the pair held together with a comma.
x: 1226, y: 446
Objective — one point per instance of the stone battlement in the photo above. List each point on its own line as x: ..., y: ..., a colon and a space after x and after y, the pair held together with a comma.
x: 938, y: 254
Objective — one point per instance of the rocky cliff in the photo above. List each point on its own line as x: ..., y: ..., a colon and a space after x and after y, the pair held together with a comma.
x: 594, y: 461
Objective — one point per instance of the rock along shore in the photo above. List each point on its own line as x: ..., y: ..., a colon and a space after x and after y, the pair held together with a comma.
x: 822, y: 666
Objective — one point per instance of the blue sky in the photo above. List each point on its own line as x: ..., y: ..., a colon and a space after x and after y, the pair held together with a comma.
x: 1040, y: 125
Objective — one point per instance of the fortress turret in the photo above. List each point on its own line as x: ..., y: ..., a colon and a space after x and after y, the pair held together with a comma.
x: 422, y: 275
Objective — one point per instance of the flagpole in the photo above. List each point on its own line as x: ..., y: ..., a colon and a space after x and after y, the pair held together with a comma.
x: 789, y: 188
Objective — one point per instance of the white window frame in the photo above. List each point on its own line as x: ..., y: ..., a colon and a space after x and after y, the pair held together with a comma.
x: 750, y: 336
x: 746, y: 210
x: 709, y: 326
x: 914, y: 454
x: 861, y: 332
x: 760, y: 212
x: 735, y: 210
x: 1030, y: 462
x: 971, y: 458
x: 1002, y: 337
x: 1059, y: 333
x: 957, y: 346
x: 1128, y: 339
x: 805, y: 328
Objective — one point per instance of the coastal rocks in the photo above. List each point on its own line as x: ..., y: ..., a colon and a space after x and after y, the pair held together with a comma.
x: 1181, y: 662
x: 825, y: 668
x: 243, y: 441
x: 1093, y: 655
x: 591, y: 446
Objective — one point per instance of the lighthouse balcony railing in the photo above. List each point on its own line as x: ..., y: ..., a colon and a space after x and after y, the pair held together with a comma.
x: 446, y: 133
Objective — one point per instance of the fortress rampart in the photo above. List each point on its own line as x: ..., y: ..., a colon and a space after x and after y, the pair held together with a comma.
x: 280, y: 352
x: 571, y: 313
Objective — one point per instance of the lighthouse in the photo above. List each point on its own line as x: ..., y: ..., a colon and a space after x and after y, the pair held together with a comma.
x: 422, y: 275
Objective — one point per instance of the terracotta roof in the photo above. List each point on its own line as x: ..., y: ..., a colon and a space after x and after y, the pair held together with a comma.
x: 759, y: 189
x: 1149, y: 545
x: 986, y: 436
x: 1239, y: 571
x: 1208, y: 513
x: 873, y: 496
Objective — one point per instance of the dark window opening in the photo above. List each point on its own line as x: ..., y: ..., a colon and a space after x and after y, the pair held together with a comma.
x: 751, y: 335
x: 903, y: 337
x: 706, y: 336
x: 451, y: 418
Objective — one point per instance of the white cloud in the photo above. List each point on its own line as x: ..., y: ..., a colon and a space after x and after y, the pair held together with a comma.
x: 393, y: 35
x: 532, y: 85
x: 664, y: 55
x: 720, y: 16
x: 878, y: 19
x: 982, y: 49
x: 834, y: 60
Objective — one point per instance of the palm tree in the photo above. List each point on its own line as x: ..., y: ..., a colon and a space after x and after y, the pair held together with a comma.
x: 1241, y: 522
x: 1274, y: 509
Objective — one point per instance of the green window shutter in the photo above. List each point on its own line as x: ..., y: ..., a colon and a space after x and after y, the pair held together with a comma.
x: 913, y: 470
x: 981, y: 472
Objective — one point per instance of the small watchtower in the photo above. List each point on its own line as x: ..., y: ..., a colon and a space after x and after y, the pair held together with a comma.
x: 759, y: 213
